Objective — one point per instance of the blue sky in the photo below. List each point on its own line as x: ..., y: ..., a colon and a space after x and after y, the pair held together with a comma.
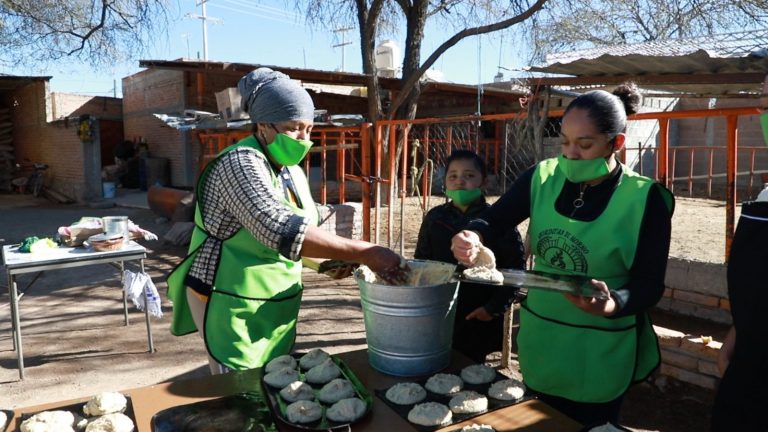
x: 268, y: 32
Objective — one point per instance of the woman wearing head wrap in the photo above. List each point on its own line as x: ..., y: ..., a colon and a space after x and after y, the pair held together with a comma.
x: 240, y: 284
x: 589, y: 216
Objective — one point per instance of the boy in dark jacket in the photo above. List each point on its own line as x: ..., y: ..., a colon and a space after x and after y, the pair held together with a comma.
x: 479, y: 324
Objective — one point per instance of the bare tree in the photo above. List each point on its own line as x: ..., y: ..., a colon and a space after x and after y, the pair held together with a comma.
x: 373, y: 17
x: 97, y: 32
x: 576, y: 24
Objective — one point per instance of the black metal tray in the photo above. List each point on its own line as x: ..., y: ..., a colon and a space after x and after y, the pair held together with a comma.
x: 493, y: 404
x: 279, y: 404
x: 531, y: 279
x: 9, y: 419
x: 242, y: 412
x: 77, y: 409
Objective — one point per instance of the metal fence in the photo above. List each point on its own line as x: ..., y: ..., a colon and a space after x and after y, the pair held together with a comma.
x: 405, y: 165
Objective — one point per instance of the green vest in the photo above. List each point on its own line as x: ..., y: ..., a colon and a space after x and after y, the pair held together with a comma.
x: 563, y: 350
x: 251, y: 314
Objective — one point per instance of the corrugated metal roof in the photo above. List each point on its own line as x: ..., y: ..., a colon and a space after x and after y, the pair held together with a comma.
x: 713, y: 66
x: 727, y: 45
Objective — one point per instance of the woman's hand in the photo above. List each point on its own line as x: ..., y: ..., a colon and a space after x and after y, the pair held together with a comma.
x: 465, y: 246
x: 600, y: 305
x: 387, y: 265
x: 479, y: 314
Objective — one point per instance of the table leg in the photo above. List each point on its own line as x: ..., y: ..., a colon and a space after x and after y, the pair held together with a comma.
x: 146, y: 315
x: 125, y: 294
x: 12, y: 289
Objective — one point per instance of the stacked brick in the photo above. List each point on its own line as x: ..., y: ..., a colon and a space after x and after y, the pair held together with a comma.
x: 697, y: 289
x: 689, y: 358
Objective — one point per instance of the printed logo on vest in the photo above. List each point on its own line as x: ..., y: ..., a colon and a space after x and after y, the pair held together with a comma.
x: 558, y: 248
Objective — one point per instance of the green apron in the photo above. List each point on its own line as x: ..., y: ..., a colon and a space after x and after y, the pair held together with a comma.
x: 563, y: 350
x: 252, y: 311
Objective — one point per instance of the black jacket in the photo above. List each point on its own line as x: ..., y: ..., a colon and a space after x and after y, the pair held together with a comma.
x: 434, y: 243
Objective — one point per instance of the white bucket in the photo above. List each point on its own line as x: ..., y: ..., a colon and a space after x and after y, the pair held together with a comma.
x: 108, y: 189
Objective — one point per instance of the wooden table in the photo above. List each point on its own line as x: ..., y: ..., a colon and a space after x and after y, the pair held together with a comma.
x: 529, y: 416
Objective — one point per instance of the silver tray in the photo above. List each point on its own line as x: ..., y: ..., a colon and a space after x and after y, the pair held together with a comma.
x: 576, y: 285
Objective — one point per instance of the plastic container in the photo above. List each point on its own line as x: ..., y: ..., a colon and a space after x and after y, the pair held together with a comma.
x: 109, y: 189
x: 409, y: 328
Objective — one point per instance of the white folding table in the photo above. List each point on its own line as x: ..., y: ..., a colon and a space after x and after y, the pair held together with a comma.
x: 59, y: 258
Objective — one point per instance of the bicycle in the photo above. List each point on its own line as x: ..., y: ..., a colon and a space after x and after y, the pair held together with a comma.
x: 34, y: 182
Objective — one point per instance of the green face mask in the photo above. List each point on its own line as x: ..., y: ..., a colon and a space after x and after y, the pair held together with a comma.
x: 288, y: 151
x: 581, y: 170
x: 464, y: 197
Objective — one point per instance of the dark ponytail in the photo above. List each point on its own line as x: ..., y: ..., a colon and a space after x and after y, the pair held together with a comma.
x: 629, y: 96
x: 609, y: 111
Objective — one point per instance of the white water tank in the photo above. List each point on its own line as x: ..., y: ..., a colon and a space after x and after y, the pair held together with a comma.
x: 387, y: 58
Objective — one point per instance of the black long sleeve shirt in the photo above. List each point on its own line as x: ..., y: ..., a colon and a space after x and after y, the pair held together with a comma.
x: 434, y: 243
x: 646, y: 283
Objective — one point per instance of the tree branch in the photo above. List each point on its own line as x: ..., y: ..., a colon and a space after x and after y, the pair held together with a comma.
x: 474, y: 31
x: 84, y: 38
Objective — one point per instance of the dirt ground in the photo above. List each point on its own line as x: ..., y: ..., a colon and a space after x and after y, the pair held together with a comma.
x: 75, y: 343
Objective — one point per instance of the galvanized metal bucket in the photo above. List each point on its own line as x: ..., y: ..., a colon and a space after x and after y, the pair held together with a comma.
x: 409, y: 327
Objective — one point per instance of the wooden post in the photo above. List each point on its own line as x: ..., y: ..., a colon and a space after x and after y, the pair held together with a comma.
x: 506, y: 344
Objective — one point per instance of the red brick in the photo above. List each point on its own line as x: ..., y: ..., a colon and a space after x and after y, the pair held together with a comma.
x: 708, y: 368
x: 696, y: 345
x: 667, y: 337
x: 725, y: 304
x: 683, y: 361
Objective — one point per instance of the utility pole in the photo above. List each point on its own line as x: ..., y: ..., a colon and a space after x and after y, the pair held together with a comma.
x: 186, y: 38
x: 343, y: 43
x: 204, y: 18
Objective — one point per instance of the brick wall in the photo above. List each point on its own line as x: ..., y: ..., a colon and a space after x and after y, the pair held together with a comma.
x: 40, y: 137
x: 65, y: 105
x: 163, y: 92
x: 696, y: 289
x: 56, y: 143
x: 689, y: 358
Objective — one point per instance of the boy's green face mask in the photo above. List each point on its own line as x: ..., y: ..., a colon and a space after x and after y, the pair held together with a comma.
x: 464, y: 197
x: 288, y: 151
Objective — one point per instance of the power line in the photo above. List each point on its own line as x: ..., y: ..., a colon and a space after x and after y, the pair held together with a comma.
x: 261, y: 8
x: 262, y: 12
x: 241, y: 11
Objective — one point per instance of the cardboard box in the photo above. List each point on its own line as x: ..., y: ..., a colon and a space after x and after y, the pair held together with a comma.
x: 228, y: 104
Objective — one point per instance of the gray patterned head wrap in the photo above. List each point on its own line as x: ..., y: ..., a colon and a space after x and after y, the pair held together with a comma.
x: 270, y: 97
